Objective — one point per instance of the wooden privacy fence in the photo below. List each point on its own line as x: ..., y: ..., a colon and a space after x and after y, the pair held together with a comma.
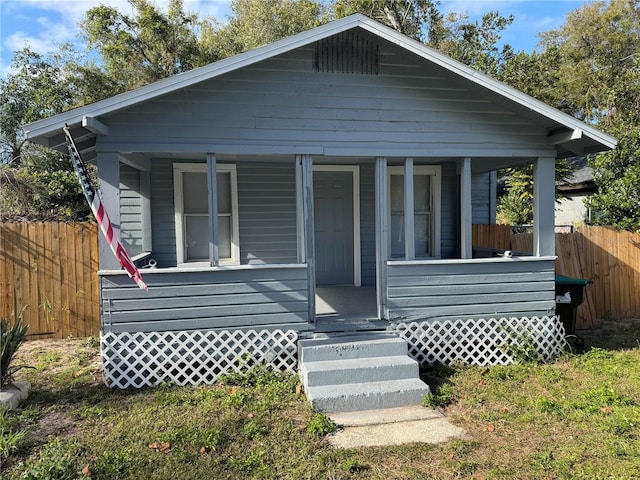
x: 608, y: 257
x: 49, y: 272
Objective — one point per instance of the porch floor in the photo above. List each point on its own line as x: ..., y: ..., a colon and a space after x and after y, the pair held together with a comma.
x: 347, y: 309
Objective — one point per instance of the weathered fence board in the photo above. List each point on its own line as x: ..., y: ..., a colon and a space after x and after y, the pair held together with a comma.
x: 49, y: 271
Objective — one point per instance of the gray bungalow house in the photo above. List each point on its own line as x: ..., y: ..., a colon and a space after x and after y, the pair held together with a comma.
x: 279, y: 188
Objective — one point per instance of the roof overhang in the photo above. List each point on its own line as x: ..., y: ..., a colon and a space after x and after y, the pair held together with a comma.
x: 569, y: 135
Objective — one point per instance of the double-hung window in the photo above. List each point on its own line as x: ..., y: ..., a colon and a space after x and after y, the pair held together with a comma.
x: 426, y: 211
x: 191, y: 187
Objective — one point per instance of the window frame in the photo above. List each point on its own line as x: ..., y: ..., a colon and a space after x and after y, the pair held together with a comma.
x: 434, y: 172
x: 178, y: 170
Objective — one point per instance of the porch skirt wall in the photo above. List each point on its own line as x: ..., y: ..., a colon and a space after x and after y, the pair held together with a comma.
x: 492, y: 341
x: 145, y: 359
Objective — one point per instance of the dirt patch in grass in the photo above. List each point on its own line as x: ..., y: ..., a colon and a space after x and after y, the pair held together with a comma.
x: 615, y: 334
x: 54, y: 423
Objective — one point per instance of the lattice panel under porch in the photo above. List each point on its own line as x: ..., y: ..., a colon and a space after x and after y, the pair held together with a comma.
x: 481, y: 342
x: 189, y: 358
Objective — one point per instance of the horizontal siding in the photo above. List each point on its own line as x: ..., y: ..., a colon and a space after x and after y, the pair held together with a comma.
x: 130, y: 210
x: 256, y: 298
x: 480, y: 198
x: 267, y: 212
x: 283, y: 105
x: 162, y: 213
x: 470, y: 290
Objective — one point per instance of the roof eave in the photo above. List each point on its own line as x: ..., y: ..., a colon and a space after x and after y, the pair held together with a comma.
x: 47, y: 126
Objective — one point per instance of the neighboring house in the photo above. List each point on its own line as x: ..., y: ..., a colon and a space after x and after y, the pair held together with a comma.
x: 259, y: 180
x: 571, y: 209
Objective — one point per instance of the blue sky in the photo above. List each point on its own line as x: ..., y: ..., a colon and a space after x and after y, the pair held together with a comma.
x: 45, y: 24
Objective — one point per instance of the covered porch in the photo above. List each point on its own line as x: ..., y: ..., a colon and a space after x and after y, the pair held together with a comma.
x: 389, y: 269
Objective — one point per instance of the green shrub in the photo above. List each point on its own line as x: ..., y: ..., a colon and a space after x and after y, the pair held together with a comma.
x: 321, y: 425
x: 11, y: 337
x: 440, y: 396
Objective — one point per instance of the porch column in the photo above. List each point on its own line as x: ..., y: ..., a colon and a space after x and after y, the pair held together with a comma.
x: 109, y: 179
x: 382, y: 235
x: 409, y: 234
x: 214, y: 257
x: 300, y: 240
x: 145, y: 208
x: 306, y: 167
x: 466, y: 206
x: 544, y: 189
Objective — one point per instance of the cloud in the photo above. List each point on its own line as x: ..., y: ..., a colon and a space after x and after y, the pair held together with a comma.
x: 44, y: 25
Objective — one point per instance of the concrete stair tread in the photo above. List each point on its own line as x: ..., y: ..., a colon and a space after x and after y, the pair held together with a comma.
x: 351, y: 346
x: 367, y: 388
x: 349, y: 338
x: 353, y: 363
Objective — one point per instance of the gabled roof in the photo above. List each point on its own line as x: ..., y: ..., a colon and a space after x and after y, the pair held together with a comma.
x: 565, y: 128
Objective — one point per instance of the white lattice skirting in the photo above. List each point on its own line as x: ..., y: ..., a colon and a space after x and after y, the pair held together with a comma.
x: 494, y: 341
x: 190, y: 358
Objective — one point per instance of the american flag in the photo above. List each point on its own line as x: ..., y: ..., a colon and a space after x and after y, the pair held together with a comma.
x: 95, y: 202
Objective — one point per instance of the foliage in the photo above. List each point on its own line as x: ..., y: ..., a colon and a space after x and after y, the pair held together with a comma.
x: 515, y: 207
x: 143, y: 47
x: 597, y: 50
x: 473, y: 43
x: 45, y: 188
x: 253, y: 23
x: 12, y: 334
x: 10, y: 440
x: 576, y: 417
x: 320, y: 425
x: 37, y: 89
x: 617, y: 175
x: 440, y: 396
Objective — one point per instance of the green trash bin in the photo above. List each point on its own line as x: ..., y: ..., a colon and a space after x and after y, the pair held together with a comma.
x: 569, y: 296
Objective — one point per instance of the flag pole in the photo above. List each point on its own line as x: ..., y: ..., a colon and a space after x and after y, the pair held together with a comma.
x: 99, y: 212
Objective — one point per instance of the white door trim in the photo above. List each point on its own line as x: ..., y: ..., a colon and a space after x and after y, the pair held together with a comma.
x: 355, y: 174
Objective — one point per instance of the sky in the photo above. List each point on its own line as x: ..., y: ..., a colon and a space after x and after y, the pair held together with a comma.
x: 43, y: 25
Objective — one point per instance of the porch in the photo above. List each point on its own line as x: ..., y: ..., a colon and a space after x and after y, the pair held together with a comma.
x: 269, y: 253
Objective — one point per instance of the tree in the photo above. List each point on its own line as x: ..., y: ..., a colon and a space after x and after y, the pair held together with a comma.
x: 473, y: 43
x: 599, y: 73
x: 418, y: 19
x: 597, y: 47
x: 35, y: 182
x: 254, y: 23
x: 143, y: 47
x: 35, y: 91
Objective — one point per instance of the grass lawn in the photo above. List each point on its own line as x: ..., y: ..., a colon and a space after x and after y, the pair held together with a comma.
x: 578, y: 417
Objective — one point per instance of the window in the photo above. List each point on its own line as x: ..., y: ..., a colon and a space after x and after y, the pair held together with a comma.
x: 426, y: 211
x: 192, y: 213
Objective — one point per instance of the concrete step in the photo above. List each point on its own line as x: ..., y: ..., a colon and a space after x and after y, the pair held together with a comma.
x: 369, y: 369
x: 353, y: 397
x: 350, y: 346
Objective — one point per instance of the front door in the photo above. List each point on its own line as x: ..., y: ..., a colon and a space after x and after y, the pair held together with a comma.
x: 333, y: 213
